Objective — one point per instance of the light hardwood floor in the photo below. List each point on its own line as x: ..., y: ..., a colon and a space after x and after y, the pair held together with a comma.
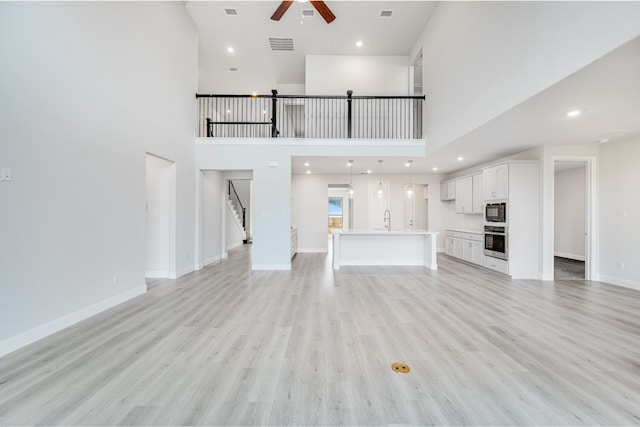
x: 228, y: 346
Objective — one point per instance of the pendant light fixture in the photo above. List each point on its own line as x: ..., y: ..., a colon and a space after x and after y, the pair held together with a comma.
x: 411, y: 189
x: 380, y: 186
x: 351, y: 179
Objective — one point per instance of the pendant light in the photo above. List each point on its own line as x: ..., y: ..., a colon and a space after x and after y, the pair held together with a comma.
x: 380, y: 186
x: 351, y: 179
x: 411, y: 189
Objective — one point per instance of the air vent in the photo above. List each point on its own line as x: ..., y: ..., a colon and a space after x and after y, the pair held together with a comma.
x: 231, y: 12
x: 233, y: 69
x: 281, y: 43
x: 308, y: 13
x: 386, y: 13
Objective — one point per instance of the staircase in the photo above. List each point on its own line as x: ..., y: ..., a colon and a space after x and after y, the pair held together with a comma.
x: 239, y: 212
x: 238, y: 218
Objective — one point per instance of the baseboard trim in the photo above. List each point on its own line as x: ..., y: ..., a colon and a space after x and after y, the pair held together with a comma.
x: 569, y: 256
x: 181, y: 272
x: 546, y: 277
x: 157, y: 274
x: 235, y: 245
x: 271, y: 267
x: 312, y: 250
x: 625, y: 283
x: 32, y: 335
x: 212, y: 260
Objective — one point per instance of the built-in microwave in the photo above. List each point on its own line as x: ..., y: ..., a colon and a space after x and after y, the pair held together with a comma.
x: 495, y: 212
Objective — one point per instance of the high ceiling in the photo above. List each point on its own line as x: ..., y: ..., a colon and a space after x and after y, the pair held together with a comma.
x: 259, y: 67
x: 606, y: 91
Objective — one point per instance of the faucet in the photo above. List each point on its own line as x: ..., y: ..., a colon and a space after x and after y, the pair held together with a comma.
x: 387, y: 216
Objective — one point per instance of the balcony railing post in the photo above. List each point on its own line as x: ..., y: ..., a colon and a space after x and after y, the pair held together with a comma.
x: 274, y: 114
x: 349, y: 93
x: 209, y: 131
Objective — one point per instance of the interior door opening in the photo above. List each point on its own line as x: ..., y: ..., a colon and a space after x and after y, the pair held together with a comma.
x: 570, y: 254
x: 160, y: 218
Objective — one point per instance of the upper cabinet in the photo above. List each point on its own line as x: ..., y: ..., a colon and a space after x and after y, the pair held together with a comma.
x: 478, y: 194
x: 496, y: 182
x: 464, y: 195
x: 448, y: 190
x: 467, y: 193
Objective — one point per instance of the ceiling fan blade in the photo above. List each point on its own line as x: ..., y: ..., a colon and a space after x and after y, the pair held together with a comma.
x: 324, y: 11
x: 281, y: 10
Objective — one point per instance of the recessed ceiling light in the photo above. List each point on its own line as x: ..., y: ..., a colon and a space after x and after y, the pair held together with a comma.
x: 359, y: 43
x: 604, y: 140
x: 574, y: 113
x: 407, y: 164
x: 368, y: 170
x: 349, y: 163
x: 308, y: 172
x: 460, y: 158
x: 306, y: 164
x: 254, y: 95
x: 435, y: 168
x: 230, y: 49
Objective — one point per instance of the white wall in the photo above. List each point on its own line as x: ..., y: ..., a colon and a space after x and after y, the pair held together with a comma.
x: 620, y: 212
x: 365, y: 75
x: 212, y: 216
x: 309, y: 193
x: 88, y: 89
x: 272, y: 198
x: 159, y: 217
x: 569, y: 222
x: 483, y: 58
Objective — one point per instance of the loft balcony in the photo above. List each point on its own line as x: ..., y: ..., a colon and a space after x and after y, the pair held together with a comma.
x: 300, y: 116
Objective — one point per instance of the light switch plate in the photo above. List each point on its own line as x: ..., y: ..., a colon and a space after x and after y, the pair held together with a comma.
x: 6, y: 174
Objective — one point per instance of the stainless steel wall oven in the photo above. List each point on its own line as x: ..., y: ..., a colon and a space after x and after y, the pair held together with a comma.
x: 496, y: 242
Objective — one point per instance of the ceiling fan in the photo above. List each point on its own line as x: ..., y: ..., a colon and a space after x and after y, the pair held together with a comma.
x: 320, y: 6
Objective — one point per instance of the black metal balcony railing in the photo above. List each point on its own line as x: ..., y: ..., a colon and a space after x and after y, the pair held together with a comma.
x: 299, y: 116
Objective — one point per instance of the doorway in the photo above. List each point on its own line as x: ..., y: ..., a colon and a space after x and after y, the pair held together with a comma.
x: 572, y: 219
x: 160, y: 210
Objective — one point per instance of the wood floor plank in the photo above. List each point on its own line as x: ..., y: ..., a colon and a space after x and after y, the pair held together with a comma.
x: 313, y: 346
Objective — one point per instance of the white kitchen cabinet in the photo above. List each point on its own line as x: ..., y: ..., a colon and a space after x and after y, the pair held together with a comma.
x: 496, y: 264
x: 465, y: 245
x: 472, y: 251
x: 464, y: 195
x: 448, y: 190
x: 478, y: 194
x: 451, y: 244
x: 496, y: 182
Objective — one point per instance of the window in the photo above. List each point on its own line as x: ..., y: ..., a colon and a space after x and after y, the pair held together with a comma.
x: 335, y: 212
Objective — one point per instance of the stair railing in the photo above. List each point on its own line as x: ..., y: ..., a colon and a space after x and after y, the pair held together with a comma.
x: 233, y: 196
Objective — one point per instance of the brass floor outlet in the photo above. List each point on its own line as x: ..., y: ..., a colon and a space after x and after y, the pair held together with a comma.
x: 400, y: 368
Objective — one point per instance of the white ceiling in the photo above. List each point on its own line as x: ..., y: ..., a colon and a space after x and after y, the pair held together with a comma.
x: 259, y: 67
x: 607, y: 91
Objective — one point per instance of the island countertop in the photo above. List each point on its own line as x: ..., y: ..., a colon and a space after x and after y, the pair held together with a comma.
x: 389, y: 232
x: 384, y: 247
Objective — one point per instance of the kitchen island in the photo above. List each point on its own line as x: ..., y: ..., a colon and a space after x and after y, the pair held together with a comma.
x: 395, y: 247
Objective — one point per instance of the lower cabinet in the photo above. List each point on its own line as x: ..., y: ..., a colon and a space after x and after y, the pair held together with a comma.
x: 496, y: 264
x: 465, y: 246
